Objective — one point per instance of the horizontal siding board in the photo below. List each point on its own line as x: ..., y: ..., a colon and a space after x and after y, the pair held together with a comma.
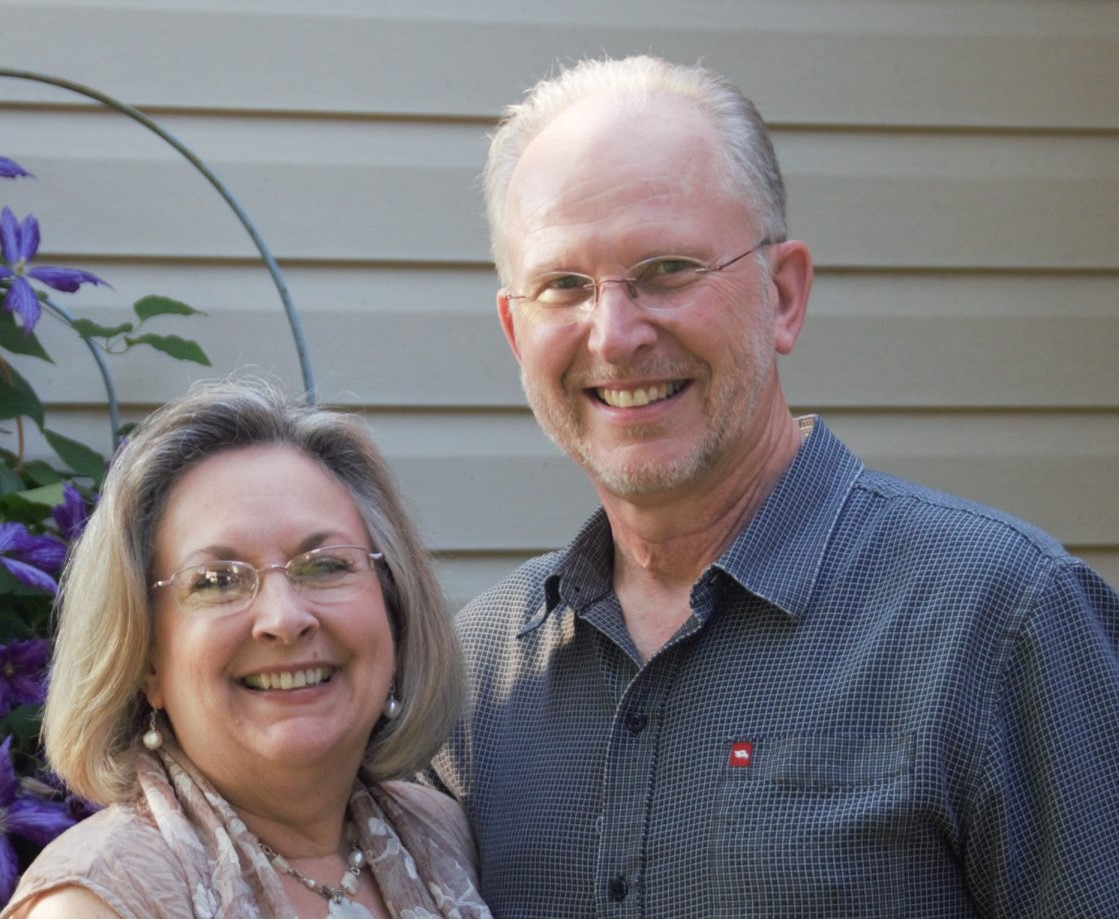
x: 392, y: 356
x: 388, y: 192
x: 856, y: 62
x: 495, y: 484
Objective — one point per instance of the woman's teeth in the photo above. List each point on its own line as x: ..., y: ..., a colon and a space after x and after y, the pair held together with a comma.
x: 289, y: 679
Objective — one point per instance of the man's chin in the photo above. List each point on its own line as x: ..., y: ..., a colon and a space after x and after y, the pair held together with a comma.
x: 641, y: 477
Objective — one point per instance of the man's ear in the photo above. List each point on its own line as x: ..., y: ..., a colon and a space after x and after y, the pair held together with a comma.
x: 505, y: 316
x: 792, y: 277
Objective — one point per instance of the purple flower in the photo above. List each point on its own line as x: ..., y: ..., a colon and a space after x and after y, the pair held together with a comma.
x: 18, y: 244
x: 33, y: 818
x: 23, y: 665
x: 10, y: 169
x: 71, y: 515
x: 32, y: 559
x: 78, y: 808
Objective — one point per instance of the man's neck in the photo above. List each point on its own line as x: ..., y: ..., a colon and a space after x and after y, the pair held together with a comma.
x: 663, y: 543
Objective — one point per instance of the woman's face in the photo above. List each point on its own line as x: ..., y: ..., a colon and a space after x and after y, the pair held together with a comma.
x: 263, y: 505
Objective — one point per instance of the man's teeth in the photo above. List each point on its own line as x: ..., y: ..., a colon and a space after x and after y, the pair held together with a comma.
x: 289, y: 679
x: 628, y: 398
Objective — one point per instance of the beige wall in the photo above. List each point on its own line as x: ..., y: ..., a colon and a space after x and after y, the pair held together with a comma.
x: 954, y: 166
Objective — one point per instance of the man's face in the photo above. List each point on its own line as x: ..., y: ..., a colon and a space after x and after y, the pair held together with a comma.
x: 646, y: 402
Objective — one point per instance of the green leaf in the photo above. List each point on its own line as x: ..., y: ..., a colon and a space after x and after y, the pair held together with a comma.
x: 87, y: 328
x: 23, y: 721
x: 17, y: 398
x: 147, y: 307
x: 179, y: 348
x: 14, y: 339
x: 40, y: 472
x: 47, y: 496
x: 79, y: 457
x: 9, y: 480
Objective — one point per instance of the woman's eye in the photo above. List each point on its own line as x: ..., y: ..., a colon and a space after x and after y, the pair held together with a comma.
x: 209, y: 580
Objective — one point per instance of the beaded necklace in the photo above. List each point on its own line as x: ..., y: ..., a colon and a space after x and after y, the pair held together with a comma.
x: 339, y: 904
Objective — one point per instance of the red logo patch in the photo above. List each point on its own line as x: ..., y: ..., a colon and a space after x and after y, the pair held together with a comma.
x: 741, y: 754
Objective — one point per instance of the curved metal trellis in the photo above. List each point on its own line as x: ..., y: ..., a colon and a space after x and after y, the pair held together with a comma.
x: 191, y: 157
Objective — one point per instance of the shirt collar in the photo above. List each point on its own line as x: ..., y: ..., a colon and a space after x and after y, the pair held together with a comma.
x: 776, y: 557
x: 779, y: 554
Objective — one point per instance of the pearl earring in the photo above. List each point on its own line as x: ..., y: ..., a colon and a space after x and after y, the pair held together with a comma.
x: 153, y: 737
x: 392, y: 704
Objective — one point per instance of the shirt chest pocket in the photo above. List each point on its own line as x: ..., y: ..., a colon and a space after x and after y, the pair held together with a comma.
x: 815, y: 824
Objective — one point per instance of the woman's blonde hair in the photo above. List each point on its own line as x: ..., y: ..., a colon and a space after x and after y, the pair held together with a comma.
x: 96, y: 711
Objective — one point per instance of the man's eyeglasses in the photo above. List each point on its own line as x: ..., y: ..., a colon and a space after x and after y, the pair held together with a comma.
x: 658, y: 284
x: 326, y: 575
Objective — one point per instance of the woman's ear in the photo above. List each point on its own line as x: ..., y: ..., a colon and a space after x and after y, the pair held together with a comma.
x: 152, y: 689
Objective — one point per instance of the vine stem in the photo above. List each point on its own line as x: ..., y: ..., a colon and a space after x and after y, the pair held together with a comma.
x: 190, y: 156
x: 102, y: 366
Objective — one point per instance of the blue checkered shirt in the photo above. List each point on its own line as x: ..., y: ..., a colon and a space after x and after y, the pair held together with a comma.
x: 887, y: 702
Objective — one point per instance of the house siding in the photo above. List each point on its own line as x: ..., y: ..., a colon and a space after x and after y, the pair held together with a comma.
x: 953, y: 165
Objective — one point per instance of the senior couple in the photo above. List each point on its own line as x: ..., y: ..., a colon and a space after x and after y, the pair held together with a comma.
x: 762, y: 680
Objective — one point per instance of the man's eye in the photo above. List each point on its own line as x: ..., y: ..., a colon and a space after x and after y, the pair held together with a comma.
x: 664, y: 274
x: 663, y: 266
x: 567, y: 282
x: 561, y: 288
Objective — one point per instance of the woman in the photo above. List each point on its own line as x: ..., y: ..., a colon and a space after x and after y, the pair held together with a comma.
x: 251, y: 646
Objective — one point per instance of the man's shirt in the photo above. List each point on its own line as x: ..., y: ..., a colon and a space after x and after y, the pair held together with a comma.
x: 887, y: 702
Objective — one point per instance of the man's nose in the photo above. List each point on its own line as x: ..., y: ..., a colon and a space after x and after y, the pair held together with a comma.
x: 618, y: 326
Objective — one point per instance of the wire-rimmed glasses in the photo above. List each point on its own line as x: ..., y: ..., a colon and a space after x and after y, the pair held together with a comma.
x: 327, y: 574
x: 658, y: 284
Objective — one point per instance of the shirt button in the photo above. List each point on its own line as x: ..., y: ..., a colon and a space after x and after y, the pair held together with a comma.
x: 617, y: 888
x: 636, y: 722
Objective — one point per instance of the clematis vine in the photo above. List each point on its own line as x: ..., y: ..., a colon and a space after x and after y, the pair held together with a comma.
x: 23, y: 668
x: 19, y: 242
x: 23, y: 815
x: 32, y: 559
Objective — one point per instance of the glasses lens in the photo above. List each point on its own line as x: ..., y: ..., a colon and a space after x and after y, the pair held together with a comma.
x: 333, y: 570
x: 216, y: 585
x: 659, y: 283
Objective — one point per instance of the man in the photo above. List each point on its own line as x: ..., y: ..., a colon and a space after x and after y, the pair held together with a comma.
x: 762, y: 680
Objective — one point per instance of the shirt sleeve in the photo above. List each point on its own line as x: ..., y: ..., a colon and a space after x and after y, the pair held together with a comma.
x: 1043, y: 824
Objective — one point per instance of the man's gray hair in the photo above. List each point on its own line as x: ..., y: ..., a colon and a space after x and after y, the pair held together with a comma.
x: 752, y: 171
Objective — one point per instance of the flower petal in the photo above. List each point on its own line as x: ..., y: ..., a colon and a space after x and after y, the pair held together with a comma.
x: 14, y: 537
x: 44, y: 552
x: 23, y: 673
x: 29, y: 238
x: 8, y: 781
x: 9, y: 236
x: 9, y: 869
x: 30, y: 575
x: 37, y: 820
x: 10, y: 169
x: 71, y: 515
x: 22, y: 301
x: 67, y: 280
